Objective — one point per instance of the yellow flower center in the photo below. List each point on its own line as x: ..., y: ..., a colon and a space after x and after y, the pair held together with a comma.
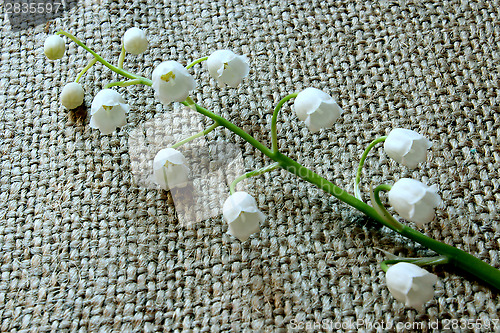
x: 167, y: 77
x: 107, y: 108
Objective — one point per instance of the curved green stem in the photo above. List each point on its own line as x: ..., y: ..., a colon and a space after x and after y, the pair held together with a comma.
x: 254, y: 173
x: 90, y: 64
x: 102, y: 61
x: 125, y: 83
x: 357, y: 192
x: 121, y: 59
x: 379, y: 207
x: 274, y: 120
x: 197, y: 61
x: 197, y: 135
x: 438, y: 260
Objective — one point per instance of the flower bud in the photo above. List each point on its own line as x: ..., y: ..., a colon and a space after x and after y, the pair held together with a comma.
x: 227, y: 68
x: 172, y: 82
x: 414, y: 200
x: 108, y: 111
x: 242, y: 215
x: 54, y: 47
x: 406, y: 147
x: 170, y: 169
x: 72, y: 95
x: 135, y: 41
x: 410, y: 284
x: 317, y: 109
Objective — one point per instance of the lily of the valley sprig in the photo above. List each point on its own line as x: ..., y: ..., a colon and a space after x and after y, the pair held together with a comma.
x: 172, y: 82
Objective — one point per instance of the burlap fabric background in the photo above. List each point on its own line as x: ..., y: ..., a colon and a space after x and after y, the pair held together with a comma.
x: 84, y: 247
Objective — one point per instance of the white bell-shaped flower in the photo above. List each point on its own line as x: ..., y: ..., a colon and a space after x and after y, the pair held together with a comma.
x: 72, y: 95
x: 108, y: 111
x: 172, y: 82
x: 414, y: 200
x: 410, y: 284
x: 242, y: 215
x: 54, y: 47
x: 406, y: 147
x: 317, y: 109
x: 135, y: 41
x: 227, y: 67
x: 170, y: 169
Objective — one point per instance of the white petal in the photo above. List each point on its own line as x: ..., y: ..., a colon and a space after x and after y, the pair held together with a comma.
x: 397, y: 144
x: 398, y: 281
x: 406, y: 147
x: 108, y: 97
x: 238, y: 69
x: 312, y: 126
x: 410, y: 284
x: 316, y: 108
x: 170, y: 169
x: 307, y: 101
x: 177, y: 175
x: 324, y: 116
x: 414, y: 200
x: 135, y: 41
x: 107, y: 121
x: 72, y: 95
x: 431, y: 196
x: 168, y: 155
x: 227, y: 67
x: 245, y: 225
x: 54, y: 47
x: 237, y: 203
x: 422, y: 290
x: 177, y: 89
x: 216, y: 60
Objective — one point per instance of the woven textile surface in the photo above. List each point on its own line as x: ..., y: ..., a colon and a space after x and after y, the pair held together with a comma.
x: 88, y: 245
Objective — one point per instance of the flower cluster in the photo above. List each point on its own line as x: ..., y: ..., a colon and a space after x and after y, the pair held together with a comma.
x: 412, y: 199
x: 172, y: 82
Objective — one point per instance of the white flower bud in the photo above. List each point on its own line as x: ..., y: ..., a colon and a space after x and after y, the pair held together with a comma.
x: 170, y: 169
x: 108, y: 111
x: 242, y: 215
x: 227, y: 67
x: 72, y: 95
x: 410, y: 284
x: 54, y: 47
x: 317, y: 109
x: 135, y: 41
x: 414, y: 200
x: 172, y: 82
x: 406, y: 147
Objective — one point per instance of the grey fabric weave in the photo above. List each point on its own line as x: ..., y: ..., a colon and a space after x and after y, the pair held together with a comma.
x: 86, y: 247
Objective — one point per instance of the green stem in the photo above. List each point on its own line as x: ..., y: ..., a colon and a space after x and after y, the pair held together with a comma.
x: 197, y: 61
x: 457, y: 257
x: 379, y: 207
x: 274, y: 131
x: 121, y: 59
x: 124, y: 83
x: 90, y: 64
x: 439, y: 260
x: 229, y: 125
x: 104, y: 62
x: 254, y: 173
x: 197, y: 135
x: 357, y: 192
